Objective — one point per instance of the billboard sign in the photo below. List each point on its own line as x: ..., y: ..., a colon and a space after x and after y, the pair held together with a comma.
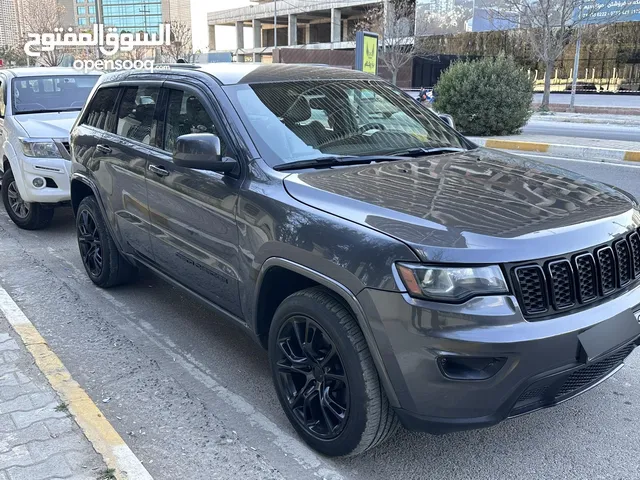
x: 367, y: 52
x: 607, y: 11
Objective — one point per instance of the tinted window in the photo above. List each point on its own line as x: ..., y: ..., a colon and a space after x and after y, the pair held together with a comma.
x: 2, y: 105
x: 100, y: 113
x: 136, y: 115
x: 51, y: 94
x: 186, y: 114
x: 300, y: 120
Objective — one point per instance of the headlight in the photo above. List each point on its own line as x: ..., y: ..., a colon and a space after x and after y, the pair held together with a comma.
x: 40, y: 148
x: 451, y: 284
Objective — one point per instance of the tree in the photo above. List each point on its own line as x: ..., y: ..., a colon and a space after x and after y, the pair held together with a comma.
x: 180, y: 45
x: 491, y: 96
x: 13, y: 56
x: 43, y: 16
x: 552, y: 25
x: 394, y: 22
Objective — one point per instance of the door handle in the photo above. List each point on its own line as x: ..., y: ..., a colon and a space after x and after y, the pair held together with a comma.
x: 103, y: 148
x: 158, y: 170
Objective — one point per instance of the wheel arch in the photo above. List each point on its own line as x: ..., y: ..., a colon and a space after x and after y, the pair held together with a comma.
x: 291, y: 277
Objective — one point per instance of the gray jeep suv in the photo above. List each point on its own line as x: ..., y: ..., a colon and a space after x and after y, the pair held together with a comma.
x: 396, y: 273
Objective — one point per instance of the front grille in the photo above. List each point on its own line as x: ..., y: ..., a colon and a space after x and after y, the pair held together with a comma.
x: 592, y: 373
x: 634, y: 243
x: 549, y: 286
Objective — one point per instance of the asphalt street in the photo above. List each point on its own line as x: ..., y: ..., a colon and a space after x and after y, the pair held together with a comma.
x: 193, y: 398
x: 583, y: 130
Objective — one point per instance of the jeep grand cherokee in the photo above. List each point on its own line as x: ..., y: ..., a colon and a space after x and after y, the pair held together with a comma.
x: 395, y: 272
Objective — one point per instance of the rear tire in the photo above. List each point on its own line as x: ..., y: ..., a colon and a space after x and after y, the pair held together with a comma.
x: 335, y: 417
x: 29, y: 216
x: 102, y: 261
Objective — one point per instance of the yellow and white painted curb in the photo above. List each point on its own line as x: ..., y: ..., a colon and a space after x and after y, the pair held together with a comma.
x: 107, y: 442
x: 571, y: 151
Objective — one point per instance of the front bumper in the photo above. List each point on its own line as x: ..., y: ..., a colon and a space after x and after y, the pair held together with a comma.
x: 544, y: 362
x: 55, y: 171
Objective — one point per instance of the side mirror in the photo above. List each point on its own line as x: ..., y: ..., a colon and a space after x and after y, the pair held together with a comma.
x: 201, y: 151
x: 448, y: 119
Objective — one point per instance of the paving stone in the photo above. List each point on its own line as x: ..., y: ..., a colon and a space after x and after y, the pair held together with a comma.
x: 8, y: 380
x: 9, y: 345
x: 16, y: 456
x: 40, y: 451
x: 6, y: 424
x: 11, y: 356
x: 55, y: 466
x: 60, y: 426
x: 11, y: 392
x: 32, y: 433
x: 42, y: 399
x: 23, y: 419
x: 21, y: 403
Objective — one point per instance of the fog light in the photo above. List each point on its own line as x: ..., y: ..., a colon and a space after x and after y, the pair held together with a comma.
x: 38, y: 182
x: 470, y: 368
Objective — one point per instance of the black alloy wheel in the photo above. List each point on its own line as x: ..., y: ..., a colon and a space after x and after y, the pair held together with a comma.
x: 312, y: 375
x: 90, y: 243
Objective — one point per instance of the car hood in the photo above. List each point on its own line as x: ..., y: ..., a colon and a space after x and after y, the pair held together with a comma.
x: 480, y: 206
x: 47, y: 125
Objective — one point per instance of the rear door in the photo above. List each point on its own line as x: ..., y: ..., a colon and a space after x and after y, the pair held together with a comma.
x: 3, y: 105
x: 194, y: 234
x: 122, y: 155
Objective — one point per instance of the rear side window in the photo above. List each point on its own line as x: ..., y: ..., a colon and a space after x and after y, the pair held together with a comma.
x: 136, y: 115
x: 101, y: 111
x: 2, y: 105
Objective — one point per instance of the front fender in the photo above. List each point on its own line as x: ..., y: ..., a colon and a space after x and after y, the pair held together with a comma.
x: 349, y: 298
x: 11, y: 155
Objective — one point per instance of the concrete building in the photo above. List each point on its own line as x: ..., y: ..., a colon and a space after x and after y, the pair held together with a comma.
x: 315, y: 24
x: 9, y: 30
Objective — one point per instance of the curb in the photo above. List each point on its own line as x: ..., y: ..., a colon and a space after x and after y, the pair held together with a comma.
x: 104, y: 438
x: 573, y: 151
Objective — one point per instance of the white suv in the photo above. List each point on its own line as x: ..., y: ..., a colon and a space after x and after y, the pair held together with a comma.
x: 38, y: 107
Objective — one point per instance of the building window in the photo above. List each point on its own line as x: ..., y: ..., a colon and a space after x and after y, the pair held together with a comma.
x: 92, y: 20
x: 82, y: 10
x: 92, y: 9
x: 82, y: 21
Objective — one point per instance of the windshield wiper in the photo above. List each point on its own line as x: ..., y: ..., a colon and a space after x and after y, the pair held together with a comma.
x: 326, y: 162
x: 58, y: 110
x: 423, y: 152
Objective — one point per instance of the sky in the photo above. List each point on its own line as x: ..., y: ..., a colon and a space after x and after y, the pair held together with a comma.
x: 225, y: 36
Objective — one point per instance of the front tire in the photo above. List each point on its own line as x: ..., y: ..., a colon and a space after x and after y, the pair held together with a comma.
x: 324, y: 375
x: 102, y: 261
x: 29, y: 216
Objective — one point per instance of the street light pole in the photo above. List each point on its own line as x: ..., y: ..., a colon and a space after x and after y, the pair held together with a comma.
x: 574, y: 81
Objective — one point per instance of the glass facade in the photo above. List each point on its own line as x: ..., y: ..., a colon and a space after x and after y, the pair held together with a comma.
x: 132, y: 15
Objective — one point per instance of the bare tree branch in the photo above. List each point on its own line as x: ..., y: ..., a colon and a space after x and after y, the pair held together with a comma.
x: 181, y: 45
x: 552, y: 25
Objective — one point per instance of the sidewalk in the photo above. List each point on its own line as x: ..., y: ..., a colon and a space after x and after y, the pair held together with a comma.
x: 570, y: 147
x: 605, y: 119
x: 39, y: 440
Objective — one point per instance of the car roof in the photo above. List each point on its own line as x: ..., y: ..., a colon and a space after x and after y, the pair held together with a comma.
x: 44, y: 71
x: 233, y: 73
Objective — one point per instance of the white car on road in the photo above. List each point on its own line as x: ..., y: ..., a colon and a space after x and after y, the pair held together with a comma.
x: 38, y: 107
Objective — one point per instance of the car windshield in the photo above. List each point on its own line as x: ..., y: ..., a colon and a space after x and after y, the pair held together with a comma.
x: 294, y: 121
x: 56, y: 93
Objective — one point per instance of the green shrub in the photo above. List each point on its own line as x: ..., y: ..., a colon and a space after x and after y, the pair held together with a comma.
x: 491, y: 96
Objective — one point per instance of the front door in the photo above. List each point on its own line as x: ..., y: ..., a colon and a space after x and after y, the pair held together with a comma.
x: 194, y: 235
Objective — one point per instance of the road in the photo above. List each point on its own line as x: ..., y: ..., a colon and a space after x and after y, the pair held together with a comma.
x: 593, y: 100
x: 193, y: 397
x: 583, y: 130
